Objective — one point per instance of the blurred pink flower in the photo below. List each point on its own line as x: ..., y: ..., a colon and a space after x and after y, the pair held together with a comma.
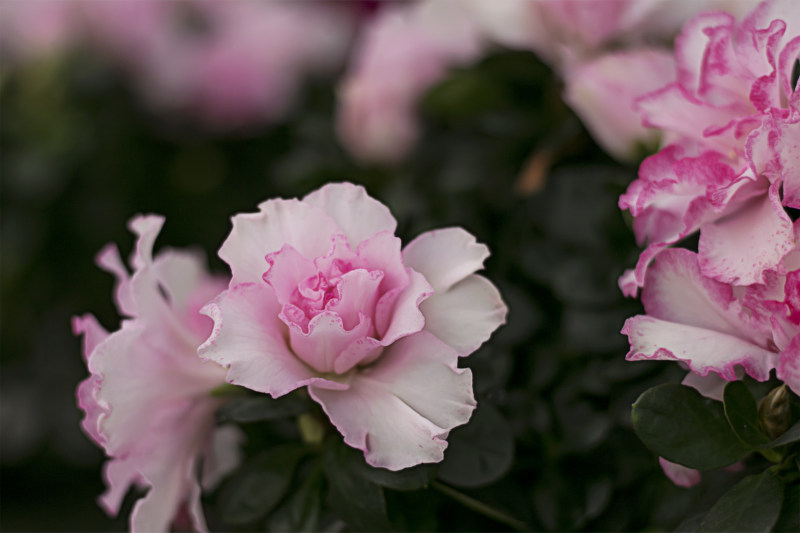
x: 602, y: 93
x: 322, y: 296
x: 717, y: 327
x: 732, y: 125
x: 147, y: 401
x: 32, y: 29
x: 230, y: 64
x: 402, y: 52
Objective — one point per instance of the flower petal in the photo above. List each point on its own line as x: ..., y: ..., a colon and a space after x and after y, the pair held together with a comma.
x: 445, y: 256
x: 789, y: 365
x: 738, y: 249
x: 406, y: 317
x: 702, y: 349
x: 680, y: 475
x: 465, y: 316
x: 356, y: 212
x: 254, y: 235
x: 248, y: 339
x: 400, y: 410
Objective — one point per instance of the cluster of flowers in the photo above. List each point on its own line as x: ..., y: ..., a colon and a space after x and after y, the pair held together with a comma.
x: 226, y: 65
x: 729, y: 169
x: 321, y: 296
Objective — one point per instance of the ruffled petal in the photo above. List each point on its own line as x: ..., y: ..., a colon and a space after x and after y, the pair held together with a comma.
x: 406, y: 317
x: 465, y: 316
x: 302, y: 226
x: 326, y: 339
x: 789, y: 365
x: 400, y: 410
x: 248, y: 339
x: 445, y: 256
x: 357, y: 214
x: 119, y: 474
x: 680, y: 475
x: 739, y: 248
x: 702, y: 349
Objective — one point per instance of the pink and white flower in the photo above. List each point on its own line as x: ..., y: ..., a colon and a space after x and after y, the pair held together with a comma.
x: 403, y: 51
x: 147, y: 401
x: 322, y: 296
x: 719, y: 328
x: 731, y: 123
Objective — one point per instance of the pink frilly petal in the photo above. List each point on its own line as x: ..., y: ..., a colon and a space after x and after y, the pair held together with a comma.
x: 249, y: 340
x: 680, y: 475
x: 304, y: 227
x: 400, y: 410
x: 789, y: 365
x: 741, y: 247
x: 357, y: 214
x: 406, y: 316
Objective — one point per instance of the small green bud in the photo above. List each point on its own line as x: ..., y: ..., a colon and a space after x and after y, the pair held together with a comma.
x: 311, y: 430
x: 774, y: 412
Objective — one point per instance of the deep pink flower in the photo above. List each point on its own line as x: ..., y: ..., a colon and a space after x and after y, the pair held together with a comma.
x: 147, y: 401
x: 731, y: 122
x: 716, y: 327
x: 323, y: 296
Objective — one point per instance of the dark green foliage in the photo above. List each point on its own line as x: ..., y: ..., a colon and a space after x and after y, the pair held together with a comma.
x: 753, y: 504
x: 681, y: 425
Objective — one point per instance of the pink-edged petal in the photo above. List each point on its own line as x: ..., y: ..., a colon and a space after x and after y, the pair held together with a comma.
x: 249, y: 340
x: 676, y: 291
x: 146, y: 228
x: 304, y: 227
x: 109, y: 260
x: 326, y: 340
x: 465, y: 315
x: 789, y: 365
x: 119, y: 474
x: 445, y: 256
x: 400, y: 410
x: 681, y: 475
x: 358, y: 294
x: 356, y: 212
x: 93, y: 333
x: 711, y: 386
x: 702, y: 349
x: 92, y: 410
x: 406, y: 317
x: 738, y: 249
x: 382, y: 252
x: 286, y: 269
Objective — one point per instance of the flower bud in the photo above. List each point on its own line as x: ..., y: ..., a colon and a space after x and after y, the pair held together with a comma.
x: 774, y: 412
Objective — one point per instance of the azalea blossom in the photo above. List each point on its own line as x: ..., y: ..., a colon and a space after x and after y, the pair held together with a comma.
x: 719, y: 328
x: 322, y: 296
x: 731, y: 126
x: 147, y: 402
x: 403, y: 51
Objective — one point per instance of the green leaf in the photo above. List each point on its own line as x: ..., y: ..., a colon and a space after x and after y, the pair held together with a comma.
x: 753, y: 504
x: 259, y: 485
x: 480, y: 452
x: 789, y: 519
x: 356, y: 500
x: 259, y: 408
x: 682, y: 426
x: 742, y: 413
x: 301, y: 510
x: 789, y: 436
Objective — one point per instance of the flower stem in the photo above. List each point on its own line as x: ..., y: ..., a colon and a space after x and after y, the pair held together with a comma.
x: 478, y: 506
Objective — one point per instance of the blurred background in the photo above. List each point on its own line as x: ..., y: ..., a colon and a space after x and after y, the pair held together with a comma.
x: 199, y: 110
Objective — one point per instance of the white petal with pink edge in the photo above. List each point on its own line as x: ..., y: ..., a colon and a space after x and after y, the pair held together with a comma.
x: 400, y: 410
x: 445, y: 256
